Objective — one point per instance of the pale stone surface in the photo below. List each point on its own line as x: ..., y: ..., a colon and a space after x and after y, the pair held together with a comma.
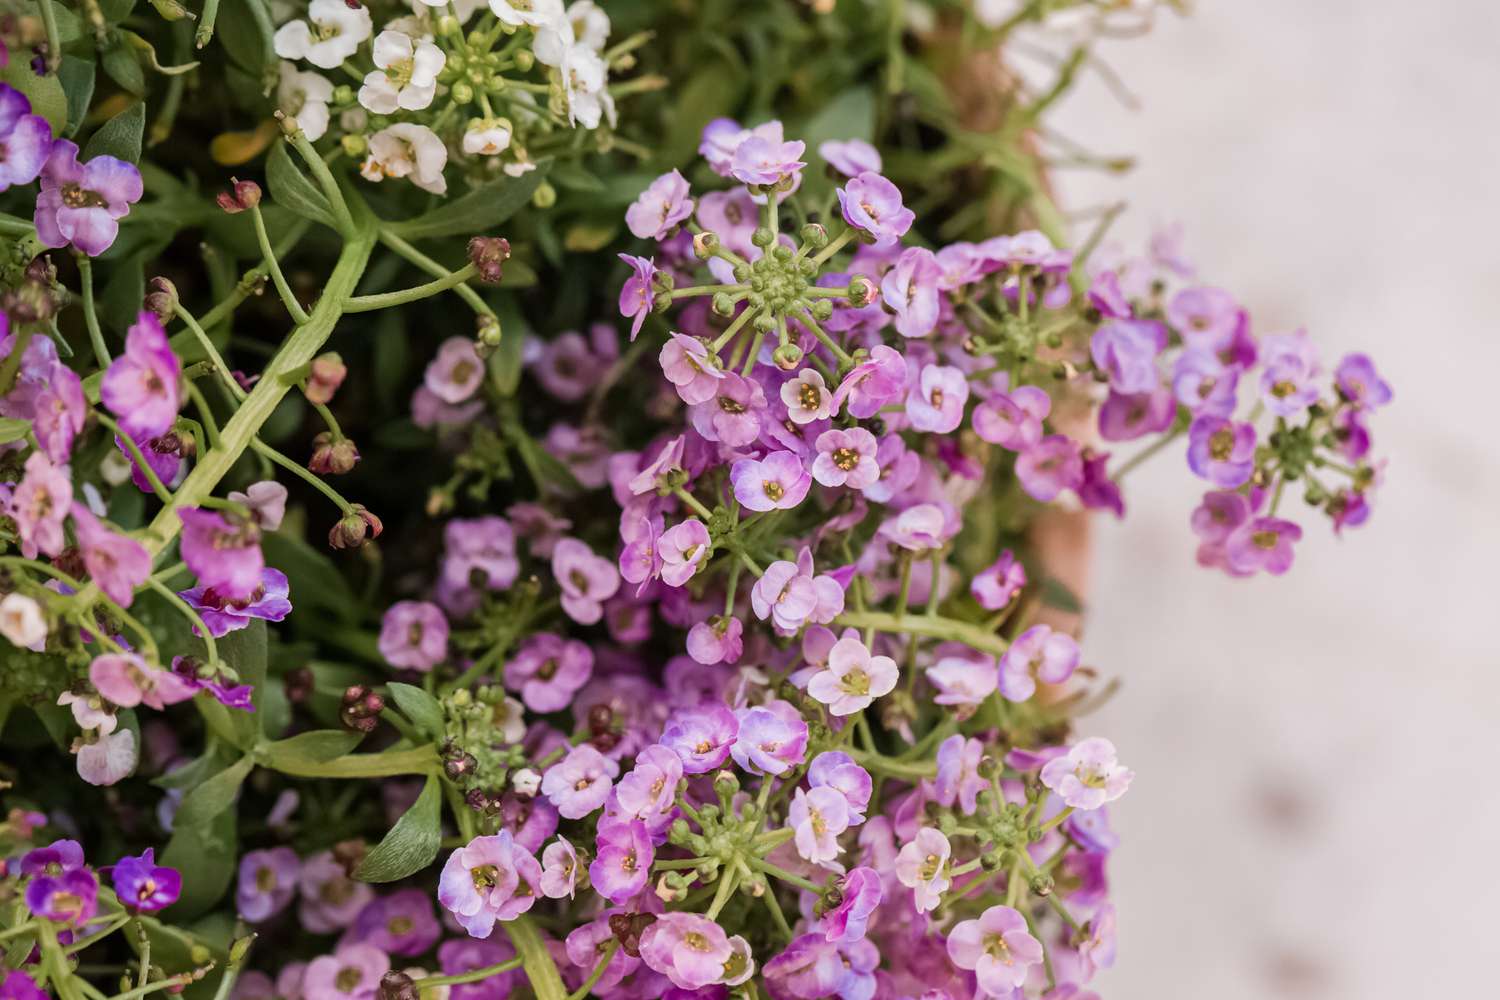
x: 1316, y: 811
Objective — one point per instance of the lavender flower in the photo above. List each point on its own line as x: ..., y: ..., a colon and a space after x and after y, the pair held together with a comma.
x: 772, y: 738
x: 1038, y: 654
x: 401, y: 923
x: 636, y: 295
x: 1262, y: 543
x: 548, y: 669
x: 853, y: 678
x: 687, y: 948
x: 586, y: 580
x: 1359, y: 382
x: 489, y: 879
x: 81, y: 203
x: 580, y: 782
x: 937, y: 405
x: 268, y: 602
x: 1088, y: 775
x: 560, y: 869
x: 413, y: 635
x: 847, y: 458
x: 872, y: 205
x: 351, y: 973
x: 143, y: 886
x: 850, y: 157
x: 481, y: 549
x: 777, y: 482
x: 688, y: 365
x: 997, y: 947
x: 660, y: 207
x: 25, y: 139
x: 995, y: 586
x: 701, y: 736
x: 1221, y: 451
x: 1049, y: 467
x: 142, y: 386
x: 1013, y: 420
x: 267, y: 882
x: 858, y: 895
x: 910, y: 290
x: 622, y: 861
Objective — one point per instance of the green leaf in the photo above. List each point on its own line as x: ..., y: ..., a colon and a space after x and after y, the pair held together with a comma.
x: 412, y: 843
x: 421, y: 708
x: 205, y: 855
x: 119, y: 137
x: 69, y: 24
x: 77, y: 79
x: 44, y: 92
x: 121, y: 65
x: 478, y: 211
x: 293, y: 190
x: 575, y: 178
x: 506, y: 363
x: 317, y: 747
x: 1056, y: 594
x: 13, y: 429
x: 194, y: 773
x: 243, y: 27
x: 316, y: 583
x: 213, y: 796
x: 246, y: 651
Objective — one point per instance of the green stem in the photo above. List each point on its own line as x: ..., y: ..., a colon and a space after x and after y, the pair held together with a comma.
x: 181, y: 605
x: 541, y: 971
x: 206, y: 23
x: 260, y: 447
x: 694, y: 503
x: 325, y: 180
x: 786, y: 876
x: 385, y: 300
x: 598, y: 973
x: 299, y: 315
x: 12, y: 363
x: 49, y: 26
x: 417, y: 760
x: 727, y: 879
x: 834, y: 247
x: 90, y: 317
x: 435, y: 269
x: 213, y: 352
x: 157, y: 487
x: 474, y: 976
x: 936, y: 627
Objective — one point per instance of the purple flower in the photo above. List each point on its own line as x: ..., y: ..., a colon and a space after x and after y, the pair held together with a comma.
x: 489, y: 879
x: 222, y: 615
x: 1204, y: 384
x: 413, y: 635
x: 1219, y: 514
x: 81, y: 203
x: 817, y: 817
x: 1125, y: 418
x: 722, y: 136
x: 806, y: 397
x: 223, y: 553
x: 1287, y: 386
x: 401, y: 923
x: 126, y: 680
x: 777, y: 482
x: 267, y: 881
x: 858, y: 895
x: 331, y: 899
x: 910, y: 290
x: 460, y: 955
x: 732, y: 216
x: 587, y: 580
x: 1359, y: 382
x: 732, y: 417
x: 351, y: 973
x: 938, y: 404
x: 559, y: 869
x: 1263, y: 543
x: 852, y: 678
x: 56, y: 858
x: 790, y: 595
x: 1049, y: 467
x: 1221, y: 451
x: 997, y: 947
x: 846, y: 458
x: 1013, y: 420
x: 701, y: 736
x: 718, y: 640
x: 1088, y: 775
x: 636, y: 295
x: 872, y: 383
x: 764, y: 159
x: 1126, y: 350
x: 687, y: 948
x: 660, y: 207
x: 958, y: 780
x: 1205, y: 317
x: 586, y: 945
x: 995, y: 586
x: 922, y: 866
x: 548, y: 669
x: 143, y: 886
x: 162, y: 457
x: 622, y: 861
x: 568, y: 366
x: 70, y: 898
x: 25, y: 139
x: 1038, y: 654
x: 580, y: 782
x: 206, y: 677
x: 684, y: 548
x: 39, y: 505
x: 17, y: 985
x: 142, y: 387
x: 872, y: 205
x: 962, y: 680
x: 456, y: 372
x: 482, y: 548
x: 850, y: 157
x: 837, y: 770
x: 772, y: 738
x: 690, y: 367
x: 808, y: 968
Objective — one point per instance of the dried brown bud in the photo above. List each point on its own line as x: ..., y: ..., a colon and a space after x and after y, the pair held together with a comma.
x: 299, y: 685
x: 360, y: 709
x: 332, y: 456
x: 628, y: 928
x: 487, y: 254
x: 241, y: 195
x: 352, y: 531
x: 324, y: 376
x: 161, y: 298
x: 396, y: 986
x: 350, y: 854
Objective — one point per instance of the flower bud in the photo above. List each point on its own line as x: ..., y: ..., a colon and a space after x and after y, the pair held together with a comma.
x: 704, y: 244
x: 397, y: 985
x: 1042, y: 884
x: 524, y: 59
x: 627, y: 929
x: 355, y: 709
x: 332, y: 456
x: 762, y: 237
x: 324, y: 376
x: 787, y: 357
x: 861, y: 291
x: 487, y: 254
x: 526, y: 782
x: 241, y: 195
x: 352, y: 531
x: 239, y: 949
x: 353, y: 145
x: 462, y: 93
x: 161, y: 299
x: 487, y: 332
x: 822, y: 310
x: 545, y: 196
x: 814, y: 235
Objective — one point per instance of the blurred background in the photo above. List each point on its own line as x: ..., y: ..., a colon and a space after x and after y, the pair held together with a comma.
x: 1315, y: 806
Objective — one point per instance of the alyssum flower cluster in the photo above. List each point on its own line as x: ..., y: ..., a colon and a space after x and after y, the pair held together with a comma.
x: 701, y: 650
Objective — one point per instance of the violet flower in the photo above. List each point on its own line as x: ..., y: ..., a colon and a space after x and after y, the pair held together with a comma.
x: 267, y: 882
x: 126, y: 680
x: 1264, y: 543
x: 548, y: 669
x: 937, y: 404
x: 71, y: 898
x: 1038, y: 654
x: 223, y: 552
x: 998, y: 947
x: 858, y: 896
x: 351, y: 973
x: 580, y: 782
x: 413, y: 635
x: 1359, y: 382
x: 701, y: 736
x: 660, y: 207
x: 622, y: 861
x: 82, y: 203
x: 684, y: 548
x: 1049, y: 467
x: 772, y: 738
x: 25, y: 139
x: 777, y: 482
x: 872, y: 205
x: 1221, y: 451
x: 143, y: 886
x: 489, y: 879
x: 687, y: 948
x: 850, y: 157
x: 1088, y: 775
x: 222, y: 615
x: 688, y: 365
x: 142, y: 386
x: 587, y: 580
x: 910, y: 290
x: 995, y: 586
x: 401, y: 923
x: 846, y: 458
x: 1013, y: 420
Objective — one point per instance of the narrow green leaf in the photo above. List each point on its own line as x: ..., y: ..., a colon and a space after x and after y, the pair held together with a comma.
x: 479, y: 211
x: 13, y: 429
x: 316, y: 583
x: 421, y: 708
x: 205, y: 855
x: 77, y: 79
x: 214, y: 796
x: 293, y: 190
x: 317, y: 747
x: 505, y: 364
x: 121, y: 65
x: 412, y: 844
x: 119, y: 137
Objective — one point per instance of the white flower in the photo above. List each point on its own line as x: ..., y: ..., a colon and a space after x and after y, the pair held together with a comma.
x: 89, y: 711
x: 590, y: 24
x: 411, y: 151
x: 584, y: 24
x: 519, y: 168
x: 528, y: 12
x: 108, y: 759
x: 526, y: 782
x: 332, y: 33
x: 584, y: 77
x: 305, y: 97
x: 486, y: 137
x: 22, y: 622
x: 406, y: 76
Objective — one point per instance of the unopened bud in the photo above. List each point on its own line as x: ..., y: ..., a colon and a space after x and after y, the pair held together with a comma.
x: 242, y: 195
x: 352, y: 531
x: 333, y: 456
x: 861, y: 291
x: 487, y: 254
x: 396, y: 986
x: 487, y: 332
x: 822, y: 310
x: 545, y: 195
x: 161, y: 298
x: 762, y: 237
x: 240, y: 948
x: 787, y: 357
x: 324, y: 376
x: 815, y: 236
x: 360, y: 708
x: 704, y: 244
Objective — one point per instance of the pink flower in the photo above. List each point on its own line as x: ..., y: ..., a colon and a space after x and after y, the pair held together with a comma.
x: 938, y: 404
x: 872, y: 204
x: 852, y: 678
x: 125, y: 679
x: 1088, y: 775
x: 910, y: 290
x: 917, y: 529
x: 116, y: 563
x: 733, y: 416
x: 922, y: 866
x: 108, y: 758
x: 690, y: 367
x: 958, y: 779
x: 142, y: 386
x: 777, y: 482
x: 351, y: 973
x: 806, y: 397
x: 995, y: 586
x: 689, y: 949
x: 850, y: 157
x: 482, y: 546
x: 548, y: 669
x: 846, y: 458
x: 560, y: 869
x: 872, y: 383
x: 414, y: 635
x: 1038, y: 654
x: 1049, y: 467
x: 962, y: 681
x: 40, y: 505
x: 636, y: 295
x: 718, y: 640
x: 580, y: 782
x: 684, y: 548
x: 490, y: 878
x: 587, y: 580
x: 1013, y: 420
x: 223, y: 553
x: 772, y: 738
x: 818, y: 817
x: 457, y: 371
x: 997, y: 947
x: 660, y: 207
